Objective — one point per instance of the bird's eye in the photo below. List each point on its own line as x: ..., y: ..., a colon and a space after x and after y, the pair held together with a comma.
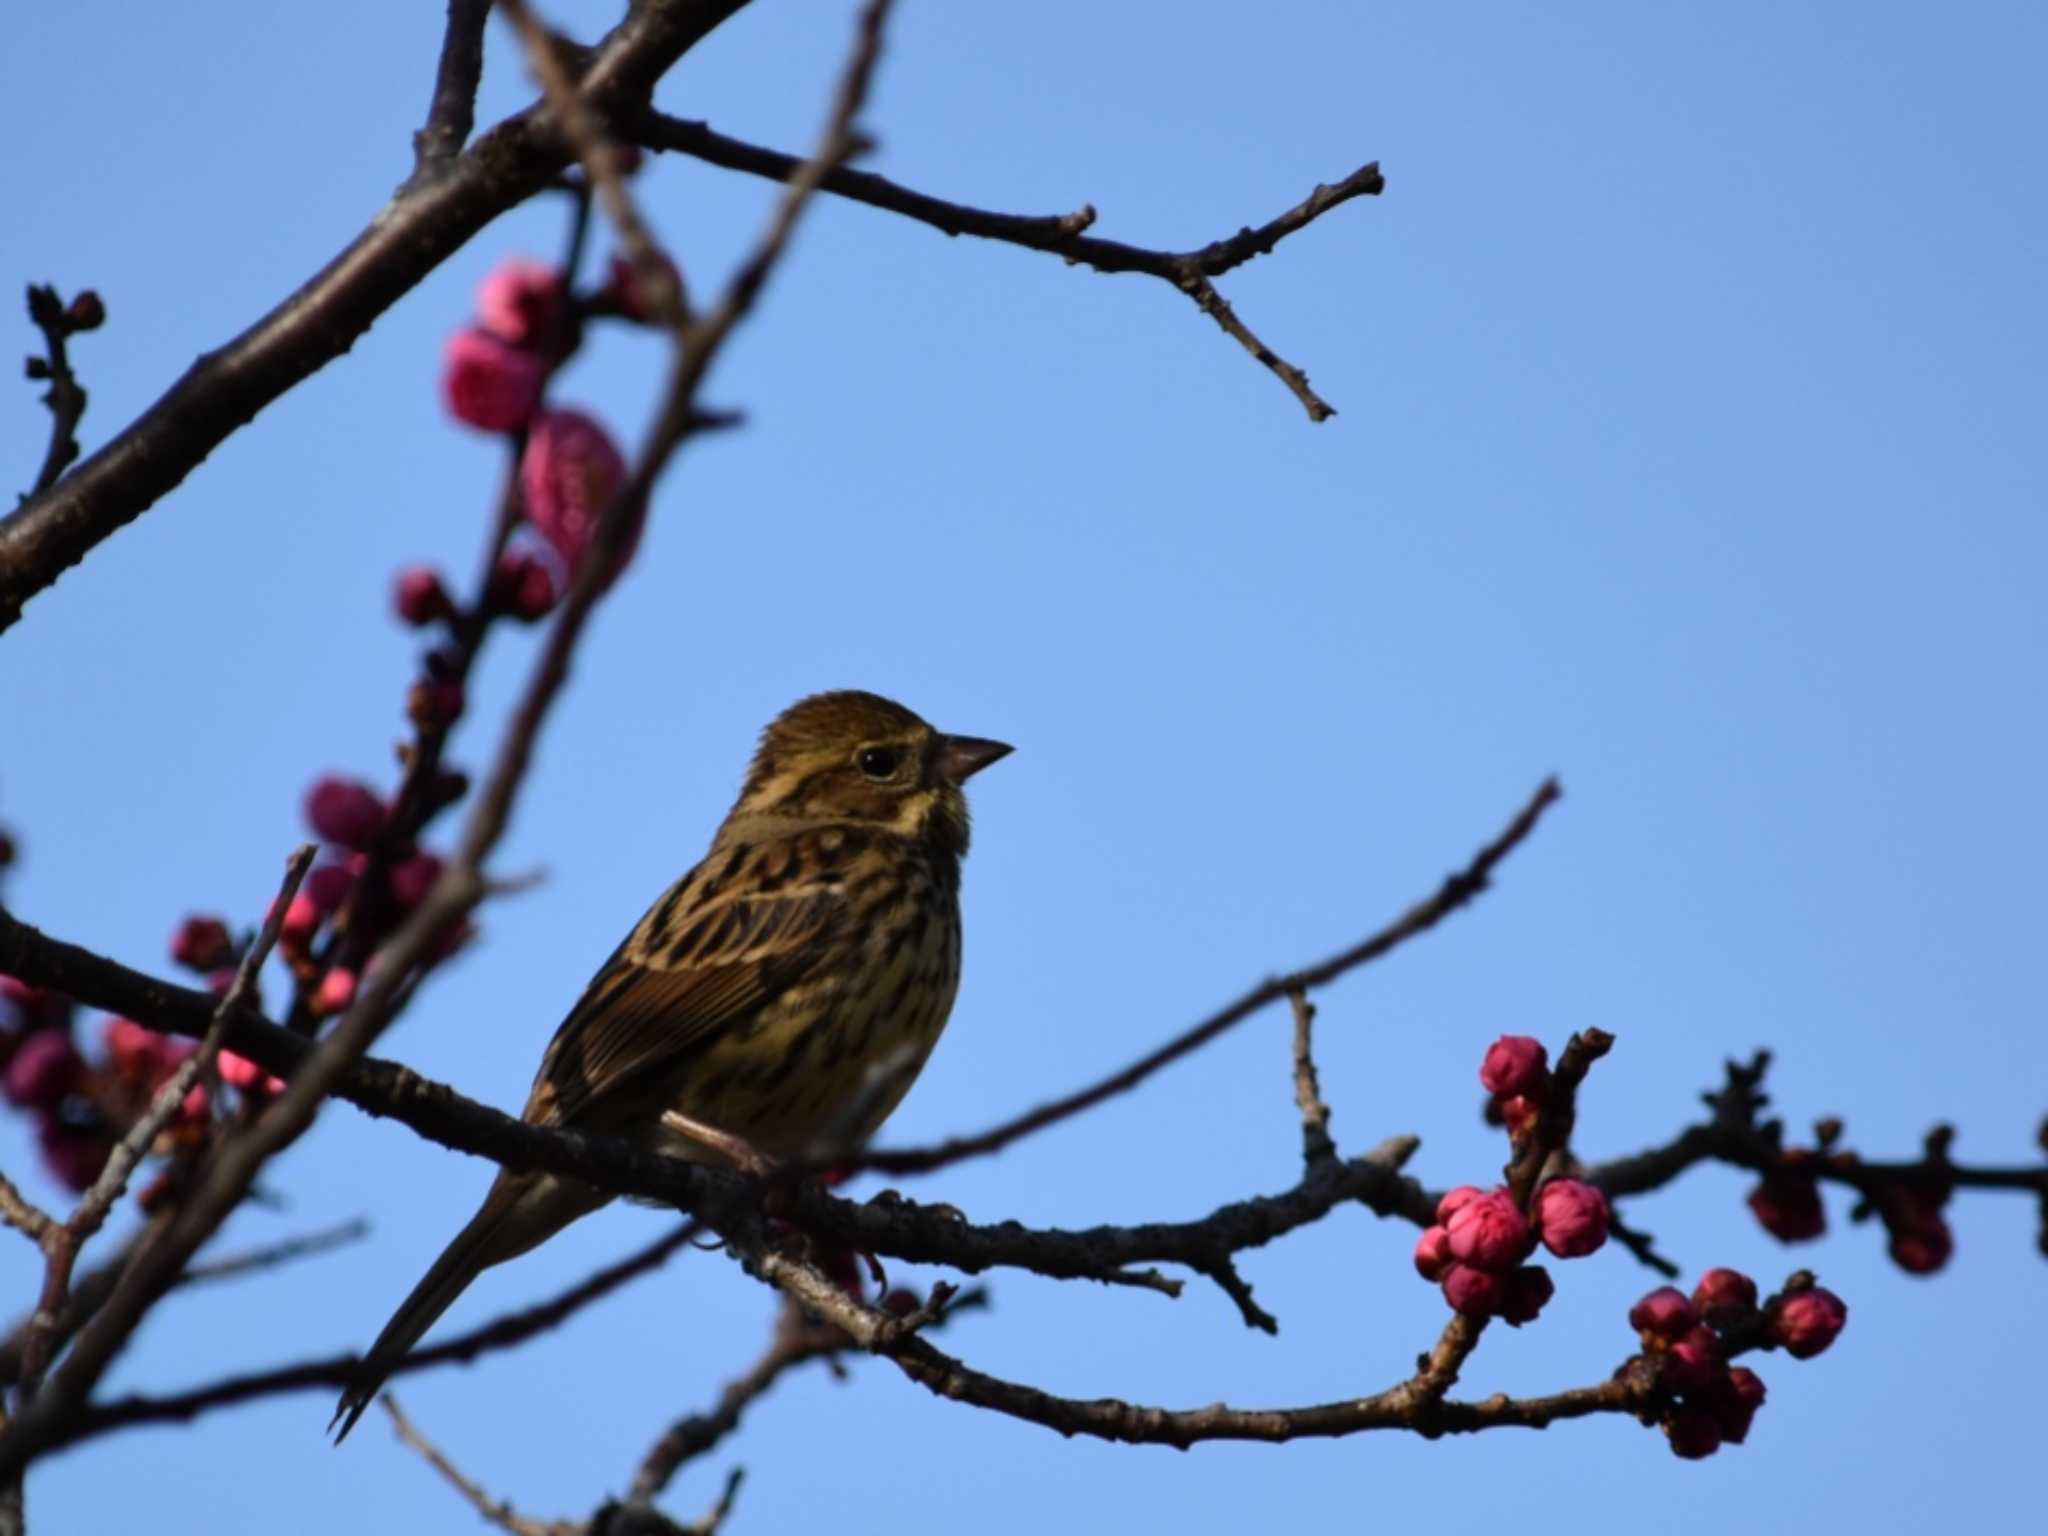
x: 877, y: 762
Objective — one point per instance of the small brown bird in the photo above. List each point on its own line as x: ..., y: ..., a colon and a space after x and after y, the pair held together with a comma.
x: 816, y: 945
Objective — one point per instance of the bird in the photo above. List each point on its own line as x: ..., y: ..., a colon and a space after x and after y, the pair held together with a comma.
x: 788, y: 987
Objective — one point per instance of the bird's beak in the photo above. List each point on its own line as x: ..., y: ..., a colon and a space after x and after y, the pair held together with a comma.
x: 962, y: 757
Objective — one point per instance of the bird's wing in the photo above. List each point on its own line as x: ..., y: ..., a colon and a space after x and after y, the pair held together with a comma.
x: 707, y: 956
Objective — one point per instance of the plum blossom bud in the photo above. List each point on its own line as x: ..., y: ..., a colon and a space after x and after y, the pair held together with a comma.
x: 73, y: 1156
x: 418, y: 598
x: 1433, y: 1253
x: 1724, y: 1295
x: 629, y: 293
x: 1490, y: 1232
x: 522, y: 587
x: 412, y: 878
x: 569, y: 475
x: 1473, y: 1292
x: 520, y: 301
x: 1514, y: 1064
x: 328, y: 886
x: 27, y: 1009
x: 336, y: 991
x: 344, y: 811
x: 1693, y: 1432
x: 490, y: 384
x: 1923, y: 1248
x: 1694, y: 1362
x: 1734, y: 1402
x: 240, y: 1072
x: 1456, y: 1200
x: 87, y: 311
x: 1519, y: 1114
x: 431, y: 704
x: 900, y: 1302
x: 301, y: 922
x: 1527, y: 1292
x: 202, y: 944
x: 1806, y: 1322
x: 1663, y: 1314
x: 1572, y: 1216
x: 8, y: 852
x: 43, y: 1069
x: 1788, y: 1206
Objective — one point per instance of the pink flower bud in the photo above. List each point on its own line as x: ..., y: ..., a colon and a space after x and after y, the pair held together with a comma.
x: 1456, y: 1200
x: 1788, y: 1206
x: 240, y: 1072
x: 522, y: 586
x: 44, y: 1068
x: 141, y: 1054
x: 1693, y: 1433
x: 1473, y: 1292
x: 74, y: 1157
x: 431, y: 704
x: 1519, y: 1114
x: 488, y: 384
x: 569, y: 475
x: 202, y: 944
x: 627, y: 293
x: 1693, y: 1362
x: 344, y: 811
x: 1806, y: 1322
x: 1489, y: 1232
x: 1663, y: 1314
x: 8, y: 852
x: 1924, y: 1249
x: 1572, y: 1217
x: 1527, y: 1292
x: 336, y: 991
x: 412, y: 878
x: 27, y: 1009
x: 301, y: 922
x: 1724, y: 1295
x: 418, y: 597
x: 1514, y: 1064
x: 1433, y: 1253
x: 1734, y: 1401
x: 520, y: 301
x: 328, y: 887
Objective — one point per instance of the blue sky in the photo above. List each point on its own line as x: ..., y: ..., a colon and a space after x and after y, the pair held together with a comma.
x: 1690, y: 377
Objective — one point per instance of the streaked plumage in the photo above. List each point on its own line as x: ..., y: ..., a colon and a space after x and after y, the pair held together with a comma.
x: 816, y: 943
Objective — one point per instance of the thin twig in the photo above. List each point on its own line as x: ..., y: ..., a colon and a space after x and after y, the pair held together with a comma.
x: 1456, y: 891
x: 271, y: 1255
x: 1316, y: 1144
x: 494, y: 1510
x: 65, y: 397
x: 452, y: 112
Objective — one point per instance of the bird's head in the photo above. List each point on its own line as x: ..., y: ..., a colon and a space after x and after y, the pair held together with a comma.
x: 853, y: 756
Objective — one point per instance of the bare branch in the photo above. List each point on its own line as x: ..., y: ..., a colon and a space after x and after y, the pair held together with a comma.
x: 1316, y: 1145
x: 65, y: 397
x: 496, y: 1511
x: 271, y: 1255
x: 1062, y: 235
x: 452, y: 113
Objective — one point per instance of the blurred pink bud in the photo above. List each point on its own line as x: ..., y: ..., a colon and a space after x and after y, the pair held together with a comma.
x: 192, y: 1111
x: 1490, y: 1232
x: 1663, y: 1314
x: 412, y: 878
x: 1527, y: 1292
x: 1924, y: 1248
x: 1693, y: 1433
x: 138, y: 1052
x: 1806, y: 1322
x: 1433, y: 1253
x: 1734, y: 1402
x: 1788, y: 1206
x: 629, y: 293
x: 569, y: 475
x: 1514, y: 1064
x: 1694, y: 1362
x: 26, y: 1008
x: 1519, y: 1114
x: 1456, y: 1200
x: 240, y: 1072
x: 44, y: 1068
x: 520, y: 301
x: 328, y: 886
x: 8, y: 852
x: 74, y: 1157
x: 336, y: 991
x: 301, y: 922
x: 490, y: 384
x: 418, y: 597
x: 1724, y: 1295
x: 202, y: 944
x: 522, y: 586
x: 627, y: 158
x: 1572, y: 1217
x: 1473, y: 1292
x: 431, y: 704
x: 344, y: 811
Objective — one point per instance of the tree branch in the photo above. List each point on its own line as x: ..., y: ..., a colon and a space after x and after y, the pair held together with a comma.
x: 1061, y: 235
x: 452, y: 113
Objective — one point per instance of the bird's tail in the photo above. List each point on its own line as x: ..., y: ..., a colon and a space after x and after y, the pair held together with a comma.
x: 520, y: 1213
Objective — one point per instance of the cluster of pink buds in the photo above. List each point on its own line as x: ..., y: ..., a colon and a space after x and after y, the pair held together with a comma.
x: 1707, y: 1402
x: 494, y: 371
x: 1516, y: 1077
x: 202, y: 943
x: 351, y: 819
x: 1481, y: 1239
x: 45, y: 1075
